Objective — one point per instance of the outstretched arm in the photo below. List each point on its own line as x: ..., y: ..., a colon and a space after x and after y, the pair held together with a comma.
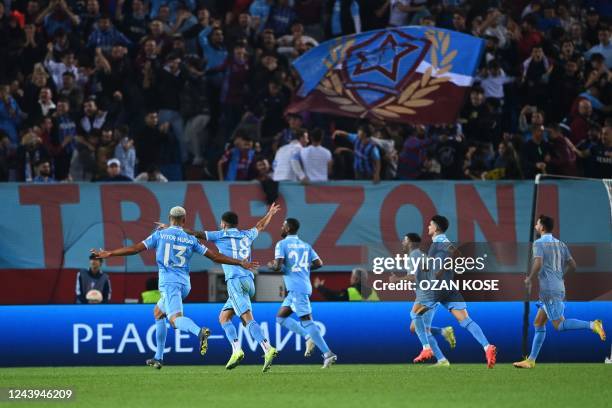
x: 125, y: 251
x: 219, y: 258
x: 263, y: 223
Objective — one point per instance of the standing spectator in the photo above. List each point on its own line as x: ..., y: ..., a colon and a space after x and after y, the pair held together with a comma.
x: 113, y: 172
x: 57, y: 17
x: 536, y: 71
x: 281, y: 17
x: 10, y: 114
x: 343, y: 17
x: 105, y: 36
x: 581, y: 121
x: 93, y: 279
x: 604, y: 47
x: 602, y: 155
x: 126, y: 154
x: 286, y: 167
x: 234, y: 89
x: 535, y: 154
x: 235, y: 164
x: 316, y: 159
x: 29, y: 154
x: 149, y: 141
x: 71, y: 89
x: 530, y: 37
x: 562, y: 152
x: 413, y: 154
x: 476, y: 118
x: 57, y: 69
x: 43, y: 172
x: 450, y: 154
x: 260, y: 11
x: 564, y: 86
x: 507, y: 164
x: 366, y: 162
x: 170, y: 82
x: 63, y: 138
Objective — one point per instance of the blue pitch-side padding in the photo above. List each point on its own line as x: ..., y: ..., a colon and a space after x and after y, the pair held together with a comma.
x: 357, y: 332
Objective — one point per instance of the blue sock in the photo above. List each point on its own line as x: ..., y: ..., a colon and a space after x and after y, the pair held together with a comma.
x: 435, y: 348
x: 475, y: 331
x: 574, y: 324
x: 538, y: 340
x: 313, y: 330
x: 185, y: 324
x: 419, y: 328
x: 436, y: 331
x: 230, y: 332
x: 255, y: 331
x: 293, y: 325
x: 160, y: 337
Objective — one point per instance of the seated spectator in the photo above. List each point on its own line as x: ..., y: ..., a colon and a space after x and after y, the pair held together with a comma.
x: 126, y: 154
x: 153, y: 174
x: 316, y: 160
x: 92, y: 284
x: 113, y: 170
x: 367, y: 164
x: 236, y: 163
x: 286, y: 167
x: 43, y: 172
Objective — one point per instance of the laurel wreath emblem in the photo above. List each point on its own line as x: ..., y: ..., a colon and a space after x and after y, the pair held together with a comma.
x: 411, y: 98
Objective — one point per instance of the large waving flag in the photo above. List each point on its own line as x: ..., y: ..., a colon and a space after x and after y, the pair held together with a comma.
x: 412, y: 74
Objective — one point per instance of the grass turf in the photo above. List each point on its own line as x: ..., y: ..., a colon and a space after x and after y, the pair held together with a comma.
x: 376, y: 386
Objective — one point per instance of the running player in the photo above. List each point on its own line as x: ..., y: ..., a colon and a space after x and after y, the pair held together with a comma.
x: 296, y: 259
x: 174, y: 249
x: 551, y: 259
x: 411, y: 246
x: 237, y: 243
x: 441, y: 249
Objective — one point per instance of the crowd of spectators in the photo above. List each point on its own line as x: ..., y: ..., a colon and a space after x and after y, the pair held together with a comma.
x: 157, y: 90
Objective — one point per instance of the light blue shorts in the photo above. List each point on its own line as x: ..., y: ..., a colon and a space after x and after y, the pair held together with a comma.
x: 428, y: 317
x: 239, y: 292
x: 449, y: 300
x: 171, y: 300
x: 299, y: 303
x: 554, y: 308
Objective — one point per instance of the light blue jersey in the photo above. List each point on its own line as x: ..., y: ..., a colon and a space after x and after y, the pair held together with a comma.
x: 236, y: 244
x: 173, y: 251
x: 555, y: 255
x: 440, y: 250
x: 297, y: 256
x: 419, y: 275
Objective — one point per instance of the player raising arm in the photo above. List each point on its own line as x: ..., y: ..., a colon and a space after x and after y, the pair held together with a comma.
x: 174, y: 249
x: 551, y: 259
x: 297, y: 258
x: 240, y: 283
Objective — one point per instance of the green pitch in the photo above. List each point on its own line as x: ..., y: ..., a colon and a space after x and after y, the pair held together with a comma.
x: 298, y: 386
